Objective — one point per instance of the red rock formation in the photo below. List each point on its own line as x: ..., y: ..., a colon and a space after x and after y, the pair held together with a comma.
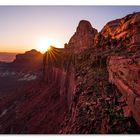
x: 60, y: 70
x: 30, y: 60
x: 124, y: 72
x: 116, y: 38
x: 110, y: 28
x: 122, y: 32
x: 83, y: 37
x: 76, y: 96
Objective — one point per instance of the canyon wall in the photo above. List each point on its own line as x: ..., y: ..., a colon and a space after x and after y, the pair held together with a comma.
x: 91, y: 86
x: 116, y: 47
x: 91, y: 61
x: 124, y: 72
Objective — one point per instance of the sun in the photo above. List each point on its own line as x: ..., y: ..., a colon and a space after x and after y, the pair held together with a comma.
x: 44, y: 44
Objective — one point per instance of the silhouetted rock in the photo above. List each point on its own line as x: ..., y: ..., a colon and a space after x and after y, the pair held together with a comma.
x: 30, y: 60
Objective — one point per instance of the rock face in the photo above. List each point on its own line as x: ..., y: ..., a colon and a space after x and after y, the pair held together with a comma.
x: 110, y: 28
x: 89, y: 87
x: 120, y: 33
x: 59, y: 69
x: 83, y: 37
x: 29, y: 105
x: 120, y: 38
x: 124, y: 72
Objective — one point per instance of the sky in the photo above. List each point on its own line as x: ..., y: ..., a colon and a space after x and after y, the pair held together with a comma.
x: 23, y: 28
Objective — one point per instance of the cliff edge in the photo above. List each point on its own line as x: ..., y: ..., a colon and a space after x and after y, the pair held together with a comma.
x: 91, y: 86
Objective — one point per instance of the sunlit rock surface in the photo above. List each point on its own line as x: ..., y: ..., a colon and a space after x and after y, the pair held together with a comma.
x: 124, y: 72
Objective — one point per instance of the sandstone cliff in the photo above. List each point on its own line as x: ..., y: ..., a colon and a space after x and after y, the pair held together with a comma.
x: 89, y: 87
x: 97, y: 105
x: 124, y: 73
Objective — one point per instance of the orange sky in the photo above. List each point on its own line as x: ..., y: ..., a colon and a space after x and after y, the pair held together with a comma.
x: 13, y: 49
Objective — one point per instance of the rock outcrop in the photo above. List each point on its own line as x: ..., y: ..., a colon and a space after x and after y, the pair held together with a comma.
x: 83, y: 37
x: 89, y: 87
x: 124, y: 72
x: 120, y: 38
x: 123, y: 32
x: 29, y: 61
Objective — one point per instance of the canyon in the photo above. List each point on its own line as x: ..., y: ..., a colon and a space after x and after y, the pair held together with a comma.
x: 91, y: 86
